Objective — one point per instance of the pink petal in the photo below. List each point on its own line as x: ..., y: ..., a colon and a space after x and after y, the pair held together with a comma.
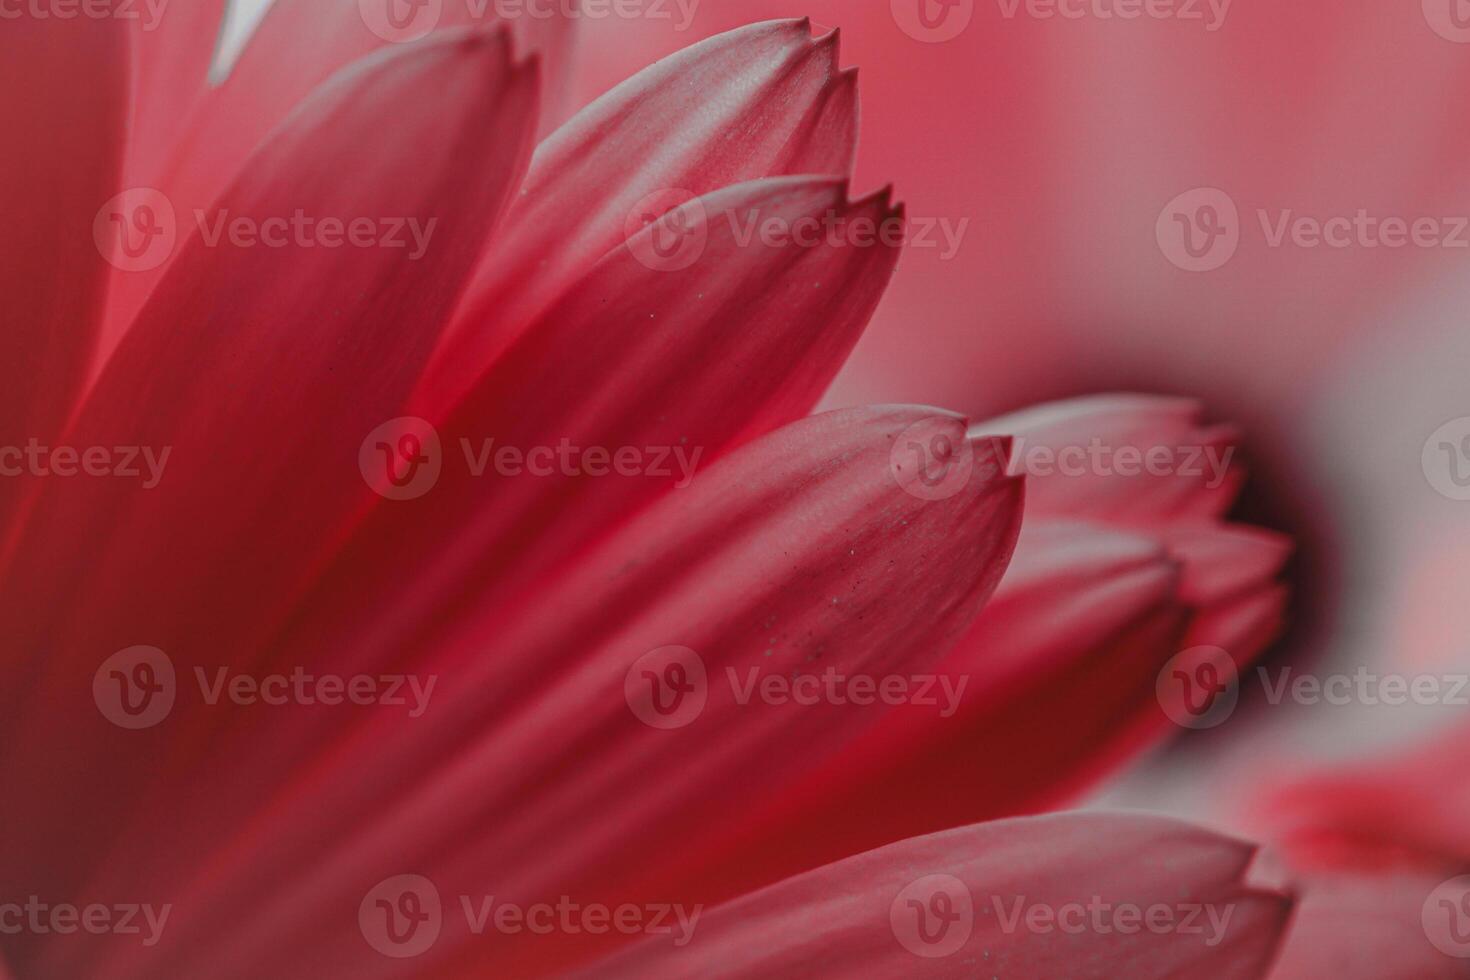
x: 64, y: 114
x: 171, y: 61
x: 799, y: 551
x: 741, y: 342
x: 303, y: 350
x: 860, y: 917
x: 765, y: 100
x: 1074, y: 453
x: 1052, y: 678
x: 1365, y: 927
x: 298, y: 46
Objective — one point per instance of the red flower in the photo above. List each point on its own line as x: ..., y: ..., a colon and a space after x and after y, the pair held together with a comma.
x: 200, y: 719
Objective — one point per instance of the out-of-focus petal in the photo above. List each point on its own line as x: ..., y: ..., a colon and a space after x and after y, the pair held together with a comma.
x: 1124, y: 458
x: 765, y: 100
x: 172, y: 51
x: 945, y: 905
x: 798, y: 553
x: 298, y: 45
x: 1365, y: 926
x: 64, y: 116
x: 306, y: 349
x: 1416, y: 801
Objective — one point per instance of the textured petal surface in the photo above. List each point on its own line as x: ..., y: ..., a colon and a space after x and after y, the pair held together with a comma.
x: 797, y: 553
x: 874, y: 915
x: 744, y: 340
x: 762, y: 101
x: 307, y: 348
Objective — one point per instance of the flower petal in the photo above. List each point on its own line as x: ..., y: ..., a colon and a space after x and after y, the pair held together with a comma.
x: 298, y: 46
x: 693, y: 348
x: 64, y: 115
x: 305, y: 349
x: 862, y: 916
x: 1089, y: 457
x: 172, y: 51
x: 762, y: 101
x: 1040, y: 696
x: 798, y: 550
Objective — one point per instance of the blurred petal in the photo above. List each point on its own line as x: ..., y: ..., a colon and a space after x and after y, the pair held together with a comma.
x: 1364, y: 927
x: 857, y: 917
x: 298, y: 45
x: 171, y: 60
x: 64, y: 116
x: 306, y: 349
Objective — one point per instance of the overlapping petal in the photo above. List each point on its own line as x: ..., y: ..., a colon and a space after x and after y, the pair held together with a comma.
x: 305, y: 348
x: 761, y: 101
x: 64, y: 116
x: 797, y: 553
x: 946, y: 905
